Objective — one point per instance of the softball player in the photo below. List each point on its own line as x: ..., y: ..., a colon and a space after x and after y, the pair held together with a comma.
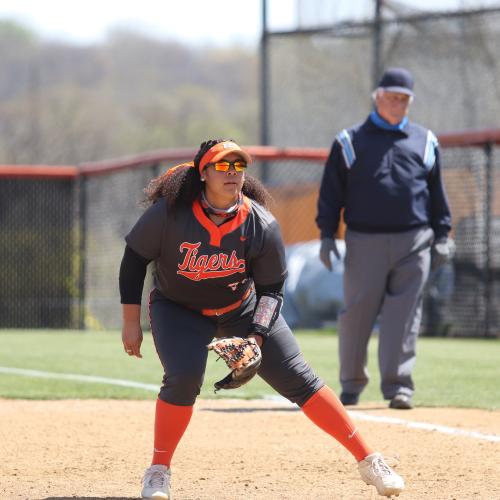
x: 219, y: 269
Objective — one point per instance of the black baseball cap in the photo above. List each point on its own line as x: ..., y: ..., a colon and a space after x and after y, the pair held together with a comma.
x: 397, y: 80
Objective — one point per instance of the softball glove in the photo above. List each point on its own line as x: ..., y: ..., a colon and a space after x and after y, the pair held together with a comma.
x: 243, y: 358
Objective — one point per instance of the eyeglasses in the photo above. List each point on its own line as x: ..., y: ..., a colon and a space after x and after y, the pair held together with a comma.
x: 224, y: 166
x: 396, y: 97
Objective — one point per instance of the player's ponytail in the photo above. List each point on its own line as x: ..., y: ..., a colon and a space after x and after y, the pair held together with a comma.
x: 180, y: 184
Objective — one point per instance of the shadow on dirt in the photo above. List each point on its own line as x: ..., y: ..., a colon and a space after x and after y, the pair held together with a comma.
x: 250, y: 410
x: 285, y: 408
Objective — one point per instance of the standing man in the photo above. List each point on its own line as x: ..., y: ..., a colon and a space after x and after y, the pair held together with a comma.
x: 386, y: 175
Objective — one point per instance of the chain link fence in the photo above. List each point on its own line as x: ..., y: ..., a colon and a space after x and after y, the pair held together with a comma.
x: 463, y: 298
x: 62, y: 237
x: 320, y: 76
x: 38, y: 253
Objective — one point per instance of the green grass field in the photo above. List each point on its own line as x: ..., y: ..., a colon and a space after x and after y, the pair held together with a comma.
x: 449, y: 372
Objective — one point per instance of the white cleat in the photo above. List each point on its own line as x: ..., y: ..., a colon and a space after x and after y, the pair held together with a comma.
x: 375, y: 472
x: 156, y: 483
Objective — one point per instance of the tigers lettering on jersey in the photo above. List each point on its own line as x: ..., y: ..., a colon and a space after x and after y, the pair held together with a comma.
x: 200, y: 267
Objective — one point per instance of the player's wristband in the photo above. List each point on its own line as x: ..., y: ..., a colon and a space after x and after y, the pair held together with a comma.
x: 266, y: 313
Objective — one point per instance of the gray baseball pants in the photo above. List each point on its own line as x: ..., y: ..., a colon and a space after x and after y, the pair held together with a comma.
x: 384, y: 277
x: 181, y: 336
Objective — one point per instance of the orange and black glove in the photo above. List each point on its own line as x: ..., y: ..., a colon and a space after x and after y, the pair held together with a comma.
x: 242, y: 356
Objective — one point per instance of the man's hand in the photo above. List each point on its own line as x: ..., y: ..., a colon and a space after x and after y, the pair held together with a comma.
x: 442, y: 252
x: 328, y: 245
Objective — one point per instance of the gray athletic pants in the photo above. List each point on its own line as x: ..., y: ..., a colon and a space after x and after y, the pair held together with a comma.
x: 181, y: 336
x: 384, y: 277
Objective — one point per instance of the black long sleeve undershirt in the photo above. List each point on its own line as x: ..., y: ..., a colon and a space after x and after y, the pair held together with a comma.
x: 132, y: 275
x: 276, y: 288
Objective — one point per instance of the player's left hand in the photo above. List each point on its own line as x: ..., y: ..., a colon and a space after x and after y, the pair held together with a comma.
x: 257, y: 338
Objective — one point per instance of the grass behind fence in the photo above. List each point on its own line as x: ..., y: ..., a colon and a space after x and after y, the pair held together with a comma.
x: 449, y: 372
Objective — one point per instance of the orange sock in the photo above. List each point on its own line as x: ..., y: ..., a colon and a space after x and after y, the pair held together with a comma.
x: 329, y: 414
x: 171, y: 422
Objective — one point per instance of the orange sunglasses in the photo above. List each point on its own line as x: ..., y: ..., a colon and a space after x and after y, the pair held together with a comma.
x: 224, y: 166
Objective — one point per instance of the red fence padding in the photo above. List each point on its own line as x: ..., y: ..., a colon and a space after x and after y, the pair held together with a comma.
x: 39, y: 171
x: 275, y: 153
x: 151, y: 158
x: 468, y: 138
x: 175, y: 155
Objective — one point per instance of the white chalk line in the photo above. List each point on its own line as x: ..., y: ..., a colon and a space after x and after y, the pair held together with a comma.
x: 425, y: 426
x: 443, y: 429
x: 79, y: 378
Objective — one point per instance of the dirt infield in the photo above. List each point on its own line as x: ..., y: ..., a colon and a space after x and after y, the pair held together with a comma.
x: 55, y: 450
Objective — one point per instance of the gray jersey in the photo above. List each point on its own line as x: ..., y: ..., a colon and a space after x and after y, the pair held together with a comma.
x: 201, y: 265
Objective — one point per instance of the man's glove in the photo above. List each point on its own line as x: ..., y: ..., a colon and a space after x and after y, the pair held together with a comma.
x: 242, y: 356
x: 443, y: 250
x: 328, y: 245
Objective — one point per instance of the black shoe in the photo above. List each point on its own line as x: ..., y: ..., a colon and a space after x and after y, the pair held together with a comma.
x: 401, y: 402
x: 349, y: 398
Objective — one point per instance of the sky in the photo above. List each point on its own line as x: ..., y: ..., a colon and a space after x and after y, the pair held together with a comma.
x: 197, y: 22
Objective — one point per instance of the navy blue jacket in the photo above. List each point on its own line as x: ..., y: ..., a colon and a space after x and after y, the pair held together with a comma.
x: 387, y: 181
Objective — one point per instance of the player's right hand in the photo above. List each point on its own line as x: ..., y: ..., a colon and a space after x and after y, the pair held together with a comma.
x: 328, y: 245
x: 132, y: 339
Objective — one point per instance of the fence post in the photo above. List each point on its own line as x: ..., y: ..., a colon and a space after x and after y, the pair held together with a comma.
x: 264, y: 89
x: 377, y: 44
x: 82, y: 253
x: 488, y: 149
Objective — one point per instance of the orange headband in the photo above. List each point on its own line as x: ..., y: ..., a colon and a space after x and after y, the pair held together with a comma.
x: 221, y: 150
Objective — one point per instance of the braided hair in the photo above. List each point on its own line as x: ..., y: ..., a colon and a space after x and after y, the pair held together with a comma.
x: 182, y: 185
